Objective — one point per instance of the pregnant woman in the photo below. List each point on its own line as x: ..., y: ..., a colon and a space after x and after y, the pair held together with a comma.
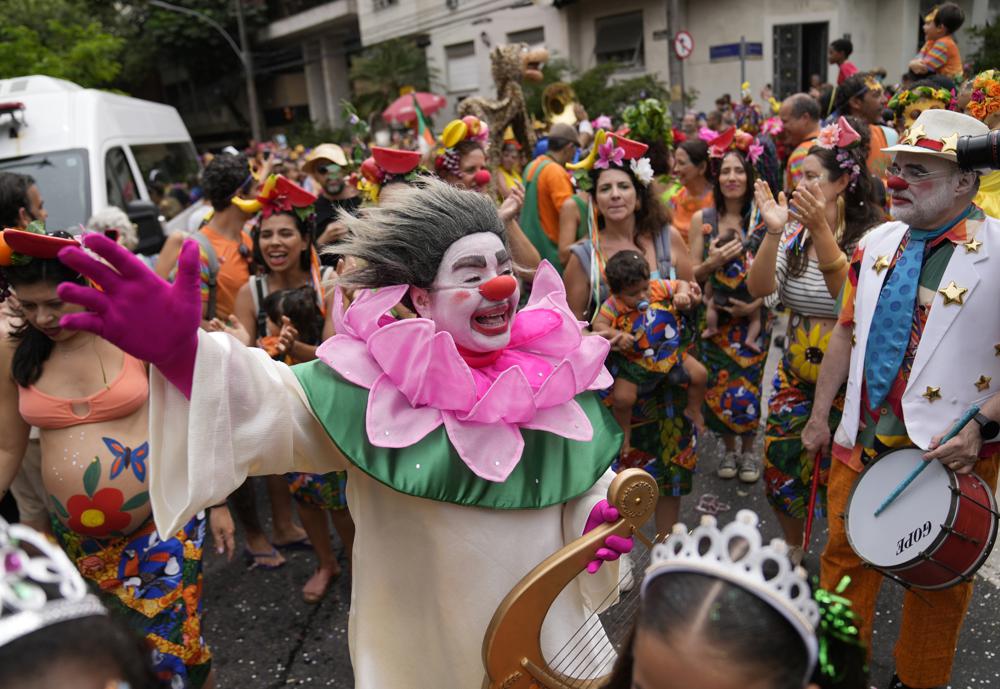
x: 89, y: 399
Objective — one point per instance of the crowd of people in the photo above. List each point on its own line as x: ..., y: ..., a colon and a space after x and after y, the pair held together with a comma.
x: 638, y: 278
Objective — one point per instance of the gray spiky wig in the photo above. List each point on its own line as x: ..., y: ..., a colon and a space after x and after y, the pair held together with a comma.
x: 403, y: 241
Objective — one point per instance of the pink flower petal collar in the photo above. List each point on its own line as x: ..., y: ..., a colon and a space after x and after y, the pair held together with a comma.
x: 418, y: 380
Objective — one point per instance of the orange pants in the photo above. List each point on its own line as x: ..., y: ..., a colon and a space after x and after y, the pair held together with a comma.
x: 929, y: 630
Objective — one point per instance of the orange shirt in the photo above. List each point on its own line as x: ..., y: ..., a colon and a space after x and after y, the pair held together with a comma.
x: 554, y: 189
x: 234, y: 270
x: 683, y: 207
x: 878, y: 161
x: 942, y: 57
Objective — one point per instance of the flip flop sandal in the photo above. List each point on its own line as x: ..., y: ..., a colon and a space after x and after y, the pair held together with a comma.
x: 301, y: 544
x: 254, y: 563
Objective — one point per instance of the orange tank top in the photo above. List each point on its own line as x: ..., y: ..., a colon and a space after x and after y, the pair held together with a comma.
x: 125, y: 394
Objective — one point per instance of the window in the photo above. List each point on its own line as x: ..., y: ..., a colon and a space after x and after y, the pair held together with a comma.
x: 462, y: 67
x: 533, y: 37
x: 169, y: 164
x: 118, y: 179
x: 382, y: 4
x: 619, y: 39
x: 63, y: 180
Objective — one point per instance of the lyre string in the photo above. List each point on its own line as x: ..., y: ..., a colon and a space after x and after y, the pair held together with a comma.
x: 584, y: 655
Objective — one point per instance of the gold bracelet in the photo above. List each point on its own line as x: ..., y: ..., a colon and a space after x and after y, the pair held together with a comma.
x: 834, y: 265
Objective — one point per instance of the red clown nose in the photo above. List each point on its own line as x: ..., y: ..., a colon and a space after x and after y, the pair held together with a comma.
x: 482, y: 178
x: 499, y: 288
x: 897, y: 183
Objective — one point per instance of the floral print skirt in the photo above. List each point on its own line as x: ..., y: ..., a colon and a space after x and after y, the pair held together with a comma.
x: 155, y: 587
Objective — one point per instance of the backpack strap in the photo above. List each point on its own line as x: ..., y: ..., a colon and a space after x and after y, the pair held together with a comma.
x: 213, y: 271
x: 661, y: 246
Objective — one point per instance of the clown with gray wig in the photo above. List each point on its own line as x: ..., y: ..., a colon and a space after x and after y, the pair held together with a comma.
x: 474, y: 443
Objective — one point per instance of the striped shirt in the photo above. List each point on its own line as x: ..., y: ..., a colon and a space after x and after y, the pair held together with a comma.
x: 793, y: 168
x: 942, y: 57
x: 805, y: 294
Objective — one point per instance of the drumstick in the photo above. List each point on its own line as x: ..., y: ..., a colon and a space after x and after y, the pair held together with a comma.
x: 962, y: 422
x: 812, y: 500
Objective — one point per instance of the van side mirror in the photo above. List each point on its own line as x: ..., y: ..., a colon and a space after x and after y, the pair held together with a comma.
x: 146, y: 217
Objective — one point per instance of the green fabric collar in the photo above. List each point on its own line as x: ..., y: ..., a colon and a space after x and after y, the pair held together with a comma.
x: 552, y: 469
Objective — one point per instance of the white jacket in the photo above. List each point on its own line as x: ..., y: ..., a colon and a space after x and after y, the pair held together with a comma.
x: 959, y: 344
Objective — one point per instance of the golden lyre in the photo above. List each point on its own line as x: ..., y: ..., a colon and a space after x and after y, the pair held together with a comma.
x: 512, y: 649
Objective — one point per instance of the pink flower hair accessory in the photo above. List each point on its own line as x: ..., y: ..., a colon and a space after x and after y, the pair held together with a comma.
x: 418, y: 380
x: 839, y: 134
x: 609, y: 154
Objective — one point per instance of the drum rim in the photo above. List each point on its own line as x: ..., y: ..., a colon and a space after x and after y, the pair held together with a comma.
x: 970, y: 572
x: 938, y: 539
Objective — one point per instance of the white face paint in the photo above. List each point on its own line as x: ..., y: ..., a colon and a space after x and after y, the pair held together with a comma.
x: 454, y: 302
x: 927, y: 203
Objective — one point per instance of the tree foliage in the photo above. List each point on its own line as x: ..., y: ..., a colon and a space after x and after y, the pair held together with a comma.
x: 58, y: 38
x: 601, y: 89
x: 988, y: 54
x: 379, y: 73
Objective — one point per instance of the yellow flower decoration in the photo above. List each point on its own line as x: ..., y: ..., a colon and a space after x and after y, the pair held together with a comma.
x: 807, y: 352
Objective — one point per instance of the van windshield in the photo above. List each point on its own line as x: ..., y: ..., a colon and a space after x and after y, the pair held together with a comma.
x: 64, y: 182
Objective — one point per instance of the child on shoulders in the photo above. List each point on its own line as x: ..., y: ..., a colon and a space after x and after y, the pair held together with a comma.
x: 940, y: 53
x: 640, y: 319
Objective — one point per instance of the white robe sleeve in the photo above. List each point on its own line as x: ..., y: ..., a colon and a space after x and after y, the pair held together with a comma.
x: 247, y: 416
x: 594, y: 588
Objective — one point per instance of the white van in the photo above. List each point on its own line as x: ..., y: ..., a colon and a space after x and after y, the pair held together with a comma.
x: 89, y: 149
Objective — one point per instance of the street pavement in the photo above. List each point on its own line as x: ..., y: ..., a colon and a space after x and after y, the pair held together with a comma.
x: 264, y: 636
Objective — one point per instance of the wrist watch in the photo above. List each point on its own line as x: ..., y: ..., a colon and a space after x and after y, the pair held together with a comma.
x: 988, y: 428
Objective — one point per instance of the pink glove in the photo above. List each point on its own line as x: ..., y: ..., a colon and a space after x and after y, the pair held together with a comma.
x: 137, y: 310
x: 614, y: 546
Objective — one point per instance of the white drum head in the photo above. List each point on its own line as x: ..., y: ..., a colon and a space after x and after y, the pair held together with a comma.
x: 911, y: 523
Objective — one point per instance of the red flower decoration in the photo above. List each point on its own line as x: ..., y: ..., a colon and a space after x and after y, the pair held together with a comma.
x: 98, y: 516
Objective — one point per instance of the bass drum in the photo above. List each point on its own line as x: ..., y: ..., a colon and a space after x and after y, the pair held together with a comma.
x: 937, y: 532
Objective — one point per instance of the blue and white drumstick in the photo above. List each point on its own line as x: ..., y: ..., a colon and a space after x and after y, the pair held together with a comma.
x: 962, y: 422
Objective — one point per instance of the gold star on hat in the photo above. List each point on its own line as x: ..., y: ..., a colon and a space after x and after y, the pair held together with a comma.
x: 972, y: 246
x: 949, y: 144
x: 881, y: 263
x: 932, y: 394
x: 914, y: 134
x: 983, y: 383
x: 953, y: 294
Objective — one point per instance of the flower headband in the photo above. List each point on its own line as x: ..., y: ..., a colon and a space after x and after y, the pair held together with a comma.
x: 612, y: 150
x: 841, y: 136
x: 386, y: 165
x: 279, y: 194
x: 732, y: 139
x: 985, y: 95
x: 907, y: 97
x: 469, y: 128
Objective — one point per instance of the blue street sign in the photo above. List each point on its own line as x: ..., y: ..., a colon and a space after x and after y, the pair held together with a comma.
x: 731, y: 51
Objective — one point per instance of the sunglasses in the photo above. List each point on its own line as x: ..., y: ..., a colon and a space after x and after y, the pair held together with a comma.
x: 328, y: 169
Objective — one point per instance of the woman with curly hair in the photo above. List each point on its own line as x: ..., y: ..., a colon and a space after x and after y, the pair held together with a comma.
x: 802, y: 262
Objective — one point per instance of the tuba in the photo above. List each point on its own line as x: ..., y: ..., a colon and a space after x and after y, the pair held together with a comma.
x: 512, y: 647
x: 558, y: 100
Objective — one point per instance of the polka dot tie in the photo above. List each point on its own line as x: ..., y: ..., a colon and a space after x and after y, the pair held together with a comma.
x: 890, y: 328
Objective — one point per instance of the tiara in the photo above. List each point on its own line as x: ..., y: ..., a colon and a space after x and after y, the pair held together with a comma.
x: 735, y: 554
x: 38, y: 590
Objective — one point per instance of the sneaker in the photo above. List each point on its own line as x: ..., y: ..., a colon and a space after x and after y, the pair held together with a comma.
x: 796, y: 554
x: 749, y: 468
x: 727, y: 467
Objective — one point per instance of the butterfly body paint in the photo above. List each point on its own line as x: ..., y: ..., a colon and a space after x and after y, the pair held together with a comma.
x: 125, y: 457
